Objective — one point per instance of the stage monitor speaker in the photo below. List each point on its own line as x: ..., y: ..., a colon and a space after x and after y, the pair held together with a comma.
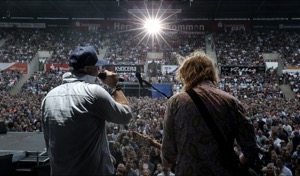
x: 3, y: 129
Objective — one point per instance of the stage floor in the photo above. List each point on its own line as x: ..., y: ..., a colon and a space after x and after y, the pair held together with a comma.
x: 26, y: 141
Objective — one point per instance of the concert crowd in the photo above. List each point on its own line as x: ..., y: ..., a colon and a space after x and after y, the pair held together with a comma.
x: 276, y: 118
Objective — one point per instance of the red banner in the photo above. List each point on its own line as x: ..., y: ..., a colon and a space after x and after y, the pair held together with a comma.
x: 21, y: 67
x: 183, y: 26
x: 57, y: 67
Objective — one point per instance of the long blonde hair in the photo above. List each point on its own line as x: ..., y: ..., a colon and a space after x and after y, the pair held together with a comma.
x: 195, y: 69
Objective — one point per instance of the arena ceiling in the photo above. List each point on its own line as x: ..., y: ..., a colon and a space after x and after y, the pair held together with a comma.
x: 204, y: 9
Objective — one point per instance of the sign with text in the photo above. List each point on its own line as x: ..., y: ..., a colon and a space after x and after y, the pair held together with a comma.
x: 21, y: 67
x: 243, y: 69
x: 182, y: 26
x: 125, y: 68
x: 57, y: 67
x: 168, y: 69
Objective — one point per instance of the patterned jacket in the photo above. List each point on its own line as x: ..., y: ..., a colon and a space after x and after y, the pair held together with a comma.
x: 187, y: 140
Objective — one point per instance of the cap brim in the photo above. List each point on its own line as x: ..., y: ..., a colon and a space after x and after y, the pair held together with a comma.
x: 101, y: 62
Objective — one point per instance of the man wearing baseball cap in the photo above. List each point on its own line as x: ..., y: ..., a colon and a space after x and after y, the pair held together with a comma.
x: 74, y: 116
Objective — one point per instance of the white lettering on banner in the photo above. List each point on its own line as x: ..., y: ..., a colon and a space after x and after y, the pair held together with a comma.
x: 23, y: 25
x: 243, y: 69
x: 189, y: 27
x: 93, y: 27
x: 180, y: 27
x: 125, y: 69
x: 186, y: 27
x: 235, y: 27
x: 118, y: 26
x: 39, y: 25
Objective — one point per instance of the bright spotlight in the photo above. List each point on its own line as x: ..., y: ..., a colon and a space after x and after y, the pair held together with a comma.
x: 152, y: 26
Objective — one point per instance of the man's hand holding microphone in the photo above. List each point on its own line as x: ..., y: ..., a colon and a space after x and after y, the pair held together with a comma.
x: 111, y: 79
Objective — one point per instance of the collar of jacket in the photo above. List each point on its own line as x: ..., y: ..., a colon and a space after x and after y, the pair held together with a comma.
x: 69, y: 77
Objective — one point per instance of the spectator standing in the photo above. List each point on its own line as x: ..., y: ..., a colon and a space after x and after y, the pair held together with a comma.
x: 129, y: 168
x: 166, y: 173
x: 280, y: 163
x: 276, y: 141
x: 140, y: 168
x: 147, y: 163
x: 159, y: 169
x: 269, y: 170
x: 296, y: 153
x: 295, y: 140
x: 125, y: 145
x: 146, y: 172
x: 116, y: 153
x: 115, y: 134
x: 261, y: 122
x: 266, y: 131
x: 260, y: 137
x: 121, y: 170
x: 287, y: 127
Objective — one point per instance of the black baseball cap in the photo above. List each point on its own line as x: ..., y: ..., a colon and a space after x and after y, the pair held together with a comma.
x: 85, y: 56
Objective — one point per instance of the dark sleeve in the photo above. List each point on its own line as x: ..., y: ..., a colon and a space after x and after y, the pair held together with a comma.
x: 119, y: 157
x: 245, y: 133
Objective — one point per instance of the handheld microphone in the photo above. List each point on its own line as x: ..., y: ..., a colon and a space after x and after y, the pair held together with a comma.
x: 102, y: 75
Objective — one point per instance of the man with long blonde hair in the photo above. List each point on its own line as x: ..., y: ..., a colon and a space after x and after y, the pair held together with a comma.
x: 188, y: 144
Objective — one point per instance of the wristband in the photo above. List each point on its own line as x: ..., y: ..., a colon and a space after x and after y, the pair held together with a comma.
x: 117, y: 88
